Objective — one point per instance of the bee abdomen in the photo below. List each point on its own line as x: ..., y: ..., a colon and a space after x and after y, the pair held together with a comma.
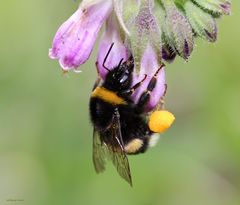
x: 133, y: 146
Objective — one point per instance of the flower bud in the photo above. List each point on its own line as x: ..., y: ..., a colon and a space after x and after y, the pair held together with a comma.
x: 144, y: 31
x: 168, y: 53
x: 178, y: 30
x: 126, y: 10
x: 202, y: 23
x: 215, y: 7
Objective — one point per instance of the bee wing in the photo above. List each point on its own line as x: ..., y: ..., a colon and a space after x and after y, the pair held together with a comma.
x: 109, y: 145
x: 100, y: 152
x: 116, y: 149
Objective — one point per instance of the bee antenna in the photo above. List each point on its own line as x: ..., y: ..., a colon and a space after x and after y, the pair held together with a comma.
x: 105, y: 59
x: 120, y: 62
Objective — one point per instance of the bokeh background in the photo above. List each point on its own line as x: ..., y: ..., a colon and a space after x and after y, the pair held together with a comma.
x: 46, y: 136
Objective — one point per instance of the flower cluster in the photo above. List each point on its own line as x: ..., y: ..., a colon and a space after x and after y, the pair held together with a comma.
x: 152, y: 31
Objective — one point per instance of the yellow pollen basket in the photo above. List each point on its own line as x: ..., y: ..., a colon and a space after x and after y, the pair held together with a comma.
x: 160, y: 121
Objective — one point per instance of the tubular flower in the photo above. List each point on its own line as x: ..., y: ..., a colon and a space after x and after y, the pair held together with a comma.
x: 119, y: 50
x: 75, y: 39
x: 153, y: 32
x: 150, y: 60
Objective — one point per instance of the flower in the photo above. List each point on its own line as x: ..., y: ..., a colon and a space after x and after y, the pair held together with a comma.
x: 144, y: 31
x: 132, y: 24
x: 74, y: 40
x: 150, y: 66
x: 119, y: 50
x: 215, y: 7
x: 151, y: 31
x: 168, y: 53
x: 202, y: 23
x: 183, y: 20
x: 178, y: 30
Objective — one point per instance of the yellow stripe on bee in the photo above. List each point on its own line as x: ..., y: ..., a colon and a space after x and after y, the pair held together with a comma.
x: 133, y: 146
x: 108, y: 96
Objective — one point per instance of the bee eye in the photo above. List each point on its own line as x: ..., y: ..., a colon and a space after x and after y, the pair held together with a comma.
x: 123, y: 79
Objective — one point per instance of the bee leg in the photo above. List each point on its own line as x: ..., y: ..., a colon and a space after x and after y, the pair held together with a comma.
x: 145, y: 97
x: 130, y: 91
x: 138, y: 84
x: 162, y: 102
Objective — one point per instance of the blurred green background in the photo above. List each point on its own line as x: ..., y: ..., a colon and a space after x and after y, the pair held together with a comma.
x: 46, y: 136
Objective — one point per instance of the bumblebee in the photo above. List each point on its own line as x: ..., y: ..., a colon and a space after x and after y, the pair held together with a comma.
x: 120, y: 125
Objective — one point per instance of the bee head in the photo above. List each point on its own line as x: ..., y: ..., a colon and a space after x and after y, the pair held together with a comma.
x: 120, y: 78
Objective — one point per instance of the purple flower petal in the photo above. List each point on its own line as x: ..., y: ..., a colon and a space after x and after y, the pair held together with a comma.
x: 226, y: 6
x: 119, y: 50
x: 74, y: 40
x: 149, y: 66
x: 168, y: 53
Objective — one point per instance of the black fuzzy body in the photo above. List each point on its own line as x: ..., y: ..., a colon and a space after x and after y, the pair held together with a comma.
x: 133, y: 122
